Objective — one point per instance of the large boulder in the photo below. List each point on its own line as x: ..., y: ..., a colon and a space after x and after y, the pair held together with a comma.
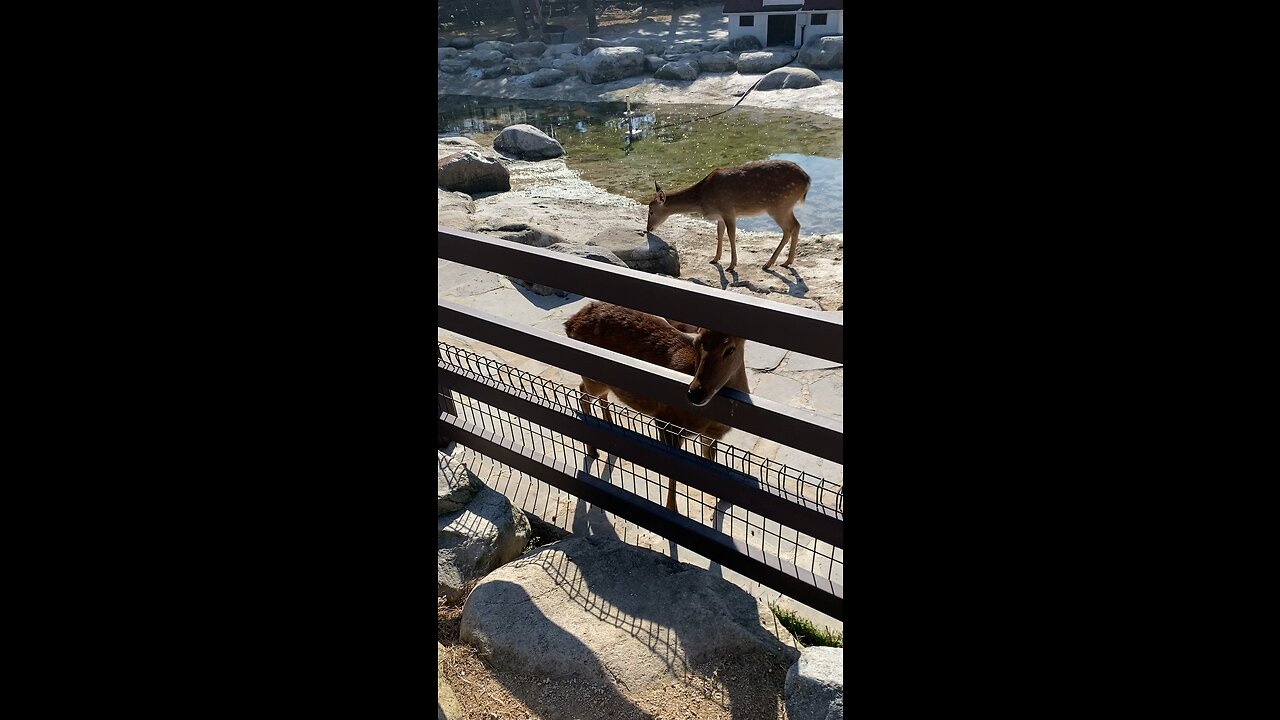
x: 682, y: 70
x: 577, y: 250
x: 456, y: 484
x: 715, y: 62
x: 445, y: 53
x: 524, y: 66
x: 455, y: 209
x: 653, y: 62
x: 607, y: 64
x: 589, y: 44
x: 527, y: 142
x: 789, y: 78
x: 444, y: 41
x: 651, y: 46
x: 640, y: 250
x: 823, y: 53
x: 745, y: 43
x: 566, y: 65
x: 555, y: 51
x: 472, y: 542
x: 607, y: 612
x: 490, y: 73
x: 531, y: 49
x: 762, y: 62
x: 815, y: 685
x: 495, y: 46
x: 487, y: 58
x: 547, y: 76
x: 455, y: 66
x: 462, y: 42
x: 471, y: 172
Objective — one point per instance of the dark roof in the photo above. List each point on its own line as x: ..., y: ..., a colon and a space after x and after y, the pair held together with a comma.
x: 754, y: 6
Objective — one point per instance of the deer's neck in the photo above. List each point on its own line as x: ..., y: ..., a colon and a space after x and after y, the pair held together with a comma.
x: 690, y: 199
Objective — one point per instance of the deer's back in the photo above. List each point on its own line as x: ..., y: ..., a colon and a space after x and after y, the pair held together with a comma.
x: 755, y: 187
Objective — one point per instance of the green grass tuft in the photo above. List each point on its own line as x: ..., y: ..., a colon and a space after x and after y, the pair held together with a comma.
x: 805, y: 631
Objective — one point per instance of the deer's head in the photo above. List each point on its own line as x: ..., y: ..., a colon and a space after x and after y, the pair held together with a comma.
x: 719, y: 360
x: 658, y: 212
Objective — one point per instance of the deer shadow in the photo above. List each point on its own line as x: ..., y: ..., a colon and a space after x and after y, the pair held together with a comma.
x: 795, y: 289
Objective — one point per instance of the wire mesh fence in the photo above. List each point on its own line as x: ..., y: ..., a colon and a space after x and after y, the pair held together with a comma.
x: 794, y: 485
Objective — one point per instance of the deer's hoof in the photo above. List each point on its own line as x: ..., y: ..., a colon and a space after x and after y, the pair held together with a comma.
x: 787, y: 265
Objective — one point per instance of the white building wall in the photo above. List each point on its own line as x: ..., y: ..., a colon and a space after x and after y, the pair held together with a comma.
x: 834, y: 26
x: 760, y: 30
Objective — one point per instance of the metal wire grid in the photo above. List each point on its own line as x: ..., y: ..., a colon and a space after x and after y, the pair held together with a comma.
x: 785, y: 543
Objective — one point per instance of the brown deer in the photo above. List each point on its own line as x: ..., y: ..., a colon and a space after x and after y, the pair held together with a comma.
x: 774, y: 187
x: 715, y: 360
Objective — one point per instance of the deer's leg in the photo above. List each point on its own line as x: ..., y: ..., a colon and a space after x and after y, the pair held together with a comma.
x: 674, y: 440
x: 719, y: 240
x: 731, y: 226
x: 784, y: 222
x: 795, y: 235
x: 593, y: 391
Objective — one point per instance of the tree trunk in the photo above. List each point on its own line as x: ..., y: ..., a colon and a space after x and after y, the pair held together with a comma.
x: 518, y: 7
x: 591, y: 15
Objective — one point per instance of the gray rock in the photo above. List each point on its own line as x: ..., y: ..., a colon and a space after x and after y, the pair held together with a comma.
x: 568, y: 66
x: 815, y: 685
x: 454, y: 66
x: 555, y: 51
x: 454, y: 209
x: 715, y: 62
x: 528, y: 49
x: 490, y: 73
x: 762, y: 62
x: 487, y: 58
x: 653, y: 62
x: 547, y: 76
x: 640, y: 250
x: 650, y: 45
x: 461, y: 42
x: 789, y: 77
x: 456, y: 484
x: 461, y: 143
x: 589, y: 44
x: 486, y: 534
x: 605, y: 611
x: 444, y: 41
x: 548, y: 63
x: 576, y: 250
x: 682, y: 70
x: 445, y: 53
x: 824, y: 53
x: 607, y: 64
x: 745, y: 43
x: 527, y: 142
x: 524, y: 66
x: 524, y: 234
x: 495, y: 46
x: 471, y: 172
x: 687, y: 46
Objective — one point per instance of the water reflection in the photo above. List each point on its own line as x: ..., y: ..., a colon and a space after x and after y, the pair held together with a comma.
x: 671, y: 145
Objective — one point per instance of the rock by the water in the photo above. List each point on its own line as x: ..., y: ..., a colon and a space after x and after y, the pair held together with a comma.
x: 456, y: 484
x: 524, y: 66
x: 823, y: 53
x: 527, y: 142
x: 547, y: 76
x: 715, y: 62
x: 454, y: 209
x: 462, y: 42
x: 682, y: 70
x: 471, y: 172
x: 454, y: 66
x: 487, y: 58
x: 568, y: 66
x: 607, y: 64
x: 789, y: 78
x: 653, y: 62
x: 605, y: 611
x: 555, y: 51
x: 762, y: 62
x: 744, y: 43
x: 528, y: 49
x: 640, y: 250
x: 815, y: 685
x: 524, y: 234
x: 495, y: 46
x: 445, y: 53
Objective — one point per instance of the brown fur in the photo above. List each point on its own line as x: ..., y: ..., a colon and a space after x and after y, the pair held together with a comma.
x: 772, y: 187
x: 653, y: 340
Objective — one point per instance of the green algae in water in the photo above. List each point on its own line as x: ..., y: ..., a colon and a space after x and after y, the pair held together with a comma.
x: 676, y: 149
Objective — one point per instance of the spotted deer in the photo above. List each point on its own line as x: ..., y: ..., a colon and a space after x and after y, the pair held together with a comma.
x: 715, y: 360
x: 773, y: 187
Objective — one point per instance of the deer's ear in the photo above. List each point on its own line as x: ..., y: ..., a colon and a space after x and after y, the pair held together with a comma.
x: 662, y: 197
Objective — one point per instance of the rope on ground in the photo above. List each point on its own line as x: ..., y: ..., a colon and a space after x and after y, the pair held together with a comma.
x: 744, y: 97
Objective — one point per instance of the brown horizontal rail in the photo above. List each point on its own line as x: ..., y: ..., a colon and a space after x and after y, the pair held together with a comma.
x: 800, y: 429
x: 809, y: 588
x: 810, y: 332
x: 710, y: 477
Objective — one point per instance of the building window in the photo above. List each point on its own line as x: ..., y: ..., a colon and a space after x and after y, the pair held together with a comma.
x: 747, y: 21
x: 818, y: 19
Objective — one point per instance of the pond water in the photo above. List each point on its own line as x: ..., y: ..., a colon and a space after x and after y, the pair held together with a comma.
x: 672, y: 146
